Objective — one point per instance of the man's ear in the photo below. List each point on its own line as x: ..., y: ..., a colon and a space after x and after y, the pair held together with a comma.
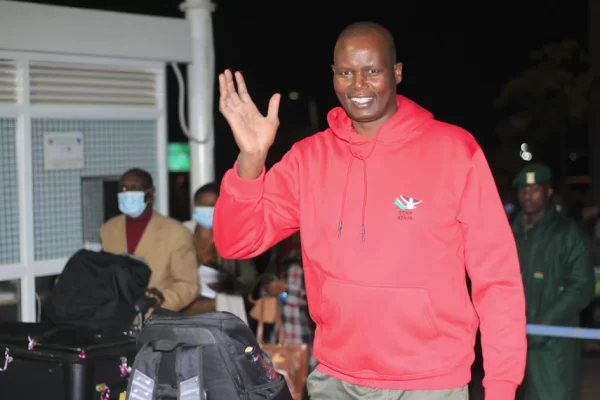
x: 150, y: 195
x: 398, y: 72
x: 549, y: 192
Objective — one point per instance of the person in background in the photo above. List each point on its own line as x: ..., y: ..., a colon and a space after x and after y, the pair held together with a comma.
x: 287, y: 279
x: 163, y: 243
x: 236, y: 277
x: 558, y: 278
x: 393, y: 207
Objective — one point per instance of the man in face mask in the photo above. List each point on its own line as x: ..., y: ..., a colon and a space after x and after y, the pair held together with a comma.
x: 236, y: 277
x: 162, y: 242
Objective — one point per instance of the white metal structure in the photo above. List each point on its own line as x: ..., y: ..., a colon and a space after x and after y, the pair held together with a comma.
x: 201, y: 75
x: 60, y: 62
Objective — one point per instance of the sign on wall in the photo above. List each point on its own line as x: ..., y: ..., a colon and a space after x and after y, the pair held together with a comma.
x: 63, y: 151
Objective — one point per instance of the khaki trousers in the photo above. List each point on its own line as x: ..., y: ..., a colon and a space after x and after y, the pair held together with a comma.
x: 324, y: 387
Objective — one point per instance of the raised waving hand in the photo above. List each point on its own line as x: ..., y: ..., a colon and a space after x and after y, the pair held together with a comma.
x: 254, y: 133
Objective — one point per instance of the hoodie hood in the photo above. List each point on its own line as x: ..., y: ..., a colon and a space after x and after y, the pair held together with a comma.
x: 407, y: 119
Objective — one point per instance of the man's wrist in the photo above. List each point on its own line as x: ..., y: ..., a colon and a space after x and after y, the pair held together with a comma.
x: 250, y: 166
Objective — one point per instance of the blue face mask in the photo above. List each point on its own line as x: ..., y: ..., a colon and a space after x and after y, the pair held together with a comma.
x: 132, y: 204
x: 204, y: 216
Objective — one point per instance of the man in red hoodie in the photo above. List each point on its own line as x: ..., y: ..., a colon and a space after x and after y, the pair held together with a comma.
x: 392, y: 207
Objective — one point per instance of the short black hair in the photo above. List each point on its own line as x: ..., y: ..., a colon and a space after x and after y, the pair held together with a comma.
x: 212, y: 188
x: 146, y: 178
x: 365, y: 27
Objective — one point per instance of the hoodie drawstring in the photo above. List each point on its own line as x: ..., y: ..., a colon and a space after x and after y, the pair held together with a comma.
x: 364, y: 205
x: 344, y: 197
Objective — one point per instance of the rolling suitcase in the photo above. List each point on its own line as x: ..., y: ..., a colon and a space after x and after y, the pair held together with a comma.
x: 63, y: 363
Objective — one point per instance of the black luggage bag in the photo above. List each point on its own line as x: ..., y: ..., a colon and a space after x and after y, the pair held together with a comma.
x: 98, y: 290
x: 66, y: 363
x: 211, y: 356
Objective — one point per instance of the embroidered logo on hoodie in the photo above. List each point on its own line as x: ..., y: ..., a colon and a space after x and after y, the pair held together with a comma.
x: 406, y: 206
x: 407, y: 203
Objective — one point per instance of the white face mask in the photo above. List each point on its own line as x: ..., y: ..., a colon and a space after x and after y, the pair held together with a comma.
x: 132, y: 203
x: 204, y: 216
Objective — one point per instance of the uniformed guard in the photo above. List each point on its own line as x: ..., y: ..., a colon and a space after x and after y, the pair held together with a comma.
x: 558, y: 278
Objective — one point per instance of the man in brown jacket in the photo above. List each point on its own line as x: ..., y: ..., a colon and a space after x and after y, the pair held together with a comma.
x: 165, y: 244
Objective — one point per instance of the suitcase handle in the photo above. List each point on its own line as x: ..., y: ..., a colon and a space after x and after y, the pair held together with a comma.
x: 7, y: 360
x: 144, y: 304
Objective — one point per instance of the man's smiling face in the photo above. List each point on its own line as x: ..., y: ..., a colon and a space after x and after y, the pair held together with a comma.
x: 365, y: 79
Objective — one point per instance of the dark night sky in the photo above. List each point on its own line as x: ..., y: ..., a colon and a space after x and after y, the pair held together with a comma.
x: 456, y: 55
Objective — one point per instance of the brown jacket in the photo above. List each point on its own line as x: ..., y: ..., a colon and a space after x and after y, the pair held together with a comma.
x: 167, y: 247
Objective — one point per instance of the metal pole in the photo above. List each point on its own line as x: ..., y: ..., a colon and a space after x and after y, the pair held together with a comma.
x: 201, y: 80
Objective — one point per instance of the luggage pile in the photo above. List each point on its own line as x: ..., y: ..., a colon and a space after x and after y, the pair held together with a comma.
x: 86, y: 347
x: 83, y: 347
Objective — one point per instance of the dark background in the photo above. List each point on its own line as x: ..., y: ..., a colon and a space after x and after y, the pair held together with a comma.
x: 457, y: 55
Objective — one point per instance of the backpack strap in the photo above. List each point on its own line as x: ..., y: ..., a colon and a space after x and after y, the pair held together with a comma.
x: 189, y: 367
x: 143, y: 380
x: 168, y: 337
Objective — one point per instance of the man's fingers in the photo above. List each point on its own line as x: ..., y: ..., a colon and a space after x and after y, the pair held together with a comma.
x: 242, y: 89
x: 235, y: 104
x: 273, y: 110
x: 232, y: 97
x: 223, y: 91
x: 226, y: 104
x: 229, y: 82
x: 222, y: 85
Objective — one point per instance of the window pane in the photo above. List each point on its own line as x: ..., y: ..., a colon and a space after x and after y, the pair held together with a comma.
x: 10, y: 301
x: 43, y: 288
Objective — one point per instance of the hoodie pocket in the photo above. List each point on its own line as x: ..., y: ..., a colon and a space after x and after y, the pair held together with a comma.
x: 373, y: 331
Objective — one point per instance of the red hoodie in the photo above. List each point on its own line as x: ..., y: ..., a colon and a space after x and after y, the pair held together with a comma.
x: 388, y: 226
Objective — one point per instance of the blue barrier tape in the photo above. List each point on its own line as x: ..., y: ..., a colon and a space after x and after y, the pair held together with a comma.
x: 563, y: 331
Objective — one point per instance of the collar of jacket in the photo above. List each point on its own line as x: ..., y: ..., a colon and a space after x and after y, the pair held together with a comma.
x: 549, y: 215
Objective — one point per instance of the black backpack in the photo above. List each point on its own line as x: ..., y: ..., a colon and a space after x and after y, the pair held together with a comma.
x: 98, y: 290
x: 212, y: 356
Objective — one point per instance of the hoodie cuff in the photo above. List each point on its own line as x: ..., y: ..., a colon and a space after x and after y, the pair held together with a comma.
x: 500, y: 390
x: 243, y: 189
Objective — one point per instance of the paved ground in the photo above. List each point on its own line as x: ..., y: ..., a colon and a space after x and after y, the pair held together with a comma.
x: 591, y: 385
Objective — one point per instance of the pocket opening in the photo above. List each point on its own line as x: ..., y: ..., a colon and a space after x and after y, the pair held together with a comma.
x: 385, y: 330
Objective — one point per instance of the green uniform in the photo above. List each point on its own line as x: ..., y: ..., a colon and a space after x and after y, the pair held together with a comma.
x: 558, y: 279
